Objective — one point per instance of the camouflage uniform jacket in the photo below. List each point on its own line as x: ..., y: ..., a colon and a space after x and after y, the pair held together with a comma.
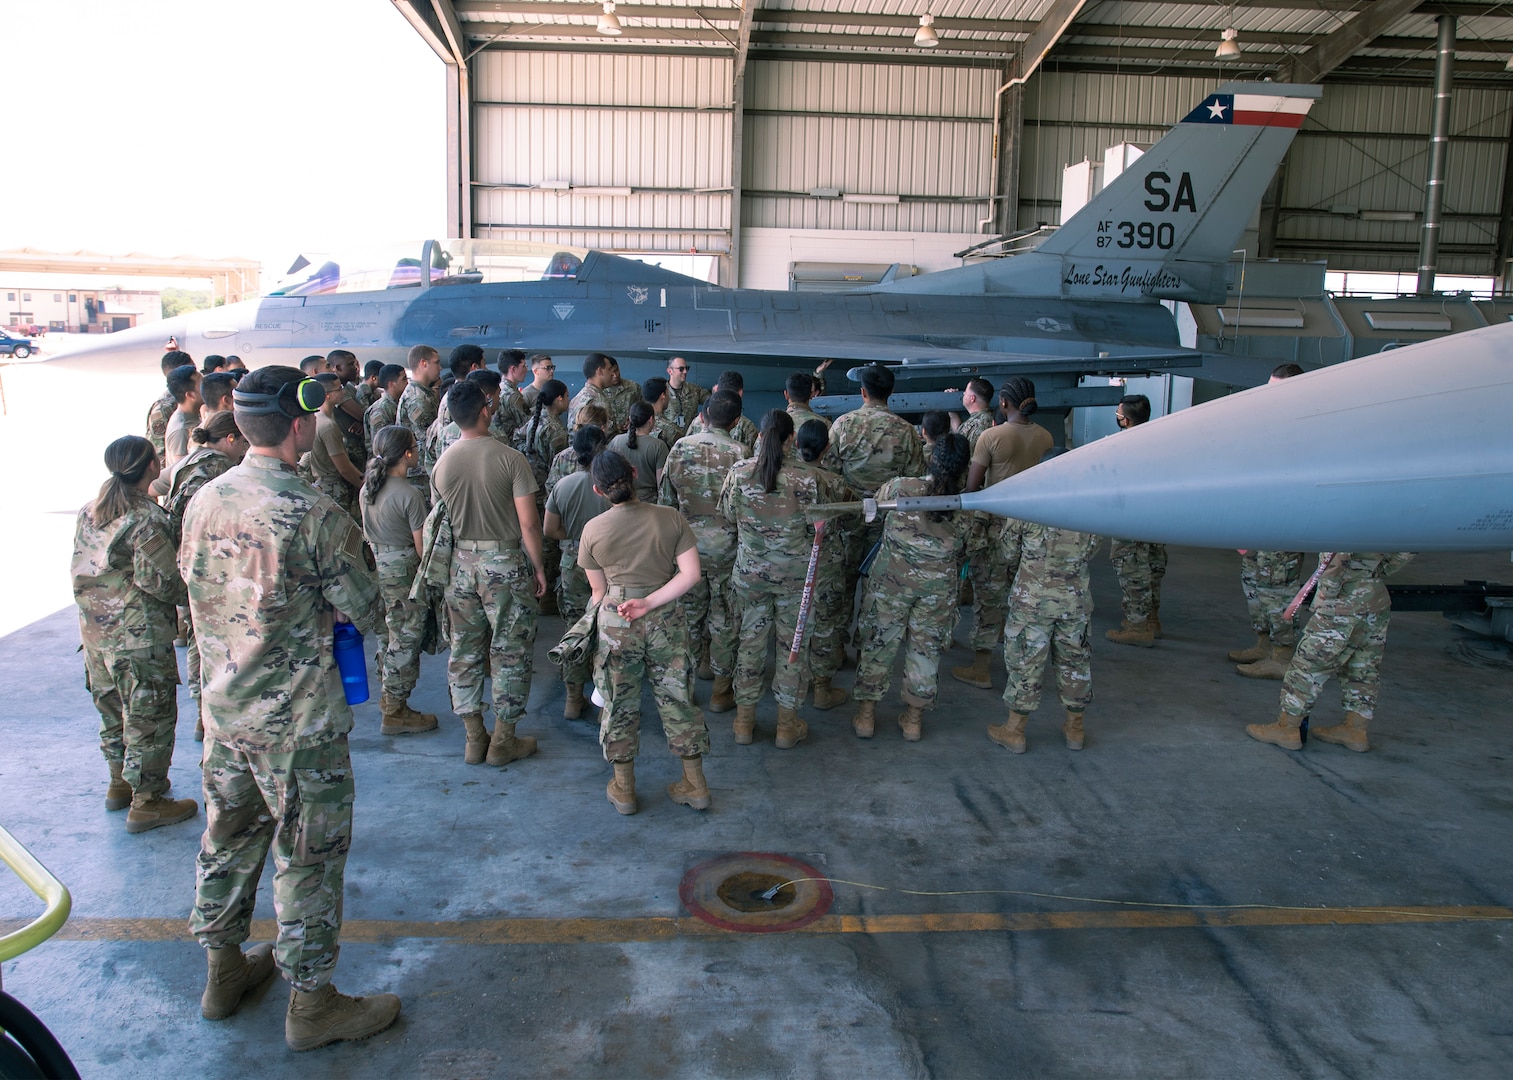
x: 775, y: 535
x: 365, y: 394
x: 871, y: 446
x: 512, y: 412
x: 916, y: 549
x: 974, y: 425
x: 158, y: 415
x: 268, y: 560
x: 125, y: 580
x: 1353, y: 582
x: 742, y: 431
x: 842, y: 529
x: 692, y: 479
x: 563, y: 466
x: 618, y: 399
x: 551, y: 438
x: 189, y: 475
x: 381, y: 414
x: 417, y: 410
x: 591, y: 395
x: 683, y: 404
x: 1049, y: 569
x: 667, y: 431
x: 802, y: 414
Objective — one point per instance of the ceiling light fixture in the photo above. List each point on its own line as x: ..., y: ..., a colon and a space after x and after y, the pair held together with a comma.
x: 1228, y: 48
x: 925, y: 37
x: 608, y: 23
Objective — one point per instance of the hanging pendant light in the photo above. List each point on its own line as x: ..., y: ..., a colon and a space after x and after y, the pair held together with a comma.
x: 1229, y: 47
x: 608, y: 23
x: 924, y: 37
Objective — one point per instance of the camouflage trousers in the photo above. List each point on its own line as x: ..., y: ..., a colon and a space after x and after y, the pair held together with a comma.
x: 404, y: 620
x: 297, y: 807
x: 990, y: 580
x: 862, y: 542
x: 710, y: 608
x: 573, y: 596
x: 1270, y: 579
x: 654, y: 646
x: 491, y: 600
x: 926, y: 610
x: 1140, y: 568
x: 1027, y: 645
x: 769, y: 607
x: 343, y: 492
x: 1349, y: 646
x: 191, y: 654
x: 829, y: 620
x: 135, y: 692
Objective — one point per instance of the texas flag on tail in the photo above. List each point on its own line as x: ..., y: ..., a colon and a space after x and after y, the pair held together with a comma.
x: 1253, y: 110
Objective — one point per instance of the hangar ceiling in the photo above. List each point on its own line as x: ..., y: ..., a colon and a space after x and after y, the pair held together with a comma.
x: 1114, y: 60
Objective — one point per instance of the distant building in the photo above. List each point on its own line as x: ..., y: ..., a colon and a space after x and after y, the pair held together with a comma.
x: 79, y: 311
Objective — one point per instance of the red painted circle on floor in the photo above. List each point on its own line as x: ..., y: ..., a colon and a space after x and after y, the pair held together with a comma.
x: 725, y: 892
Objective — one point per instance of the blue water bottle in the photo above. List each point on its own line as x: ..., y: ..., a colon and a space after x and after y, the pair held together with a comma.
x: 351, y: 662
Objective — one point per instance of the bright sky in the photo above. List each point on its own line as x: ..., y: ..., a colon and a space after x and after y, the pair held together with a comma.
x: 255, y: 128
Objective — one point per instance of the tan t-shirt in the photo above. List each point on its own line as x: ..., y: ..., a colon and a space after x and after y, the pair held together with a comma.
x: 392, y: 519
x: 1010, y: 448
x: 574, y: 500
x: 636, y: 544
x: 479, y: 480
x: 648, y: 456
x: 328, y: 443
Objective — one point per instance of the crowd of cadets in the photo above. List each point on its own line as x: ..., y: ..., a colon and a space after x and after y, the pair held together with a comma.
x: 474, y: 488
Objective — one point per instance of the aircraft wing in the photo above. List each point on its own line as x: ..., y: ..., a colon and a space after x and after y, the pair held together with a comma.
x: 920, y: 361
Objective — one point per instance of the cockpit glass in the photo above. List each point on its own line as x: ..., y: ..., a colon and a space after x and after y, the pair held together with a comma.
x: 450, y: 262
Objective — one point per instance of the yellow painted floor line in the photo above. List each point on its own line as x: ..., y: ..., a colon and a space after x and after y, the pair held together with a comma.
x: 594, y: 931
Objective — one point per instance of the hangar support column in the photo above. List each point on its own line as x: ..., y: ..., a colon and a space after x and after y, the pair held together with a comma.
x: 1439, y: 151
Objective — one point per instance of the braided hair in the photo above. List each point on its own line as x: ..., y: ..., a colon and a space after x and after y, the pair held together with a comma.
x: 640, y: 412
x: 550, y: 392
x: 1018, y: 395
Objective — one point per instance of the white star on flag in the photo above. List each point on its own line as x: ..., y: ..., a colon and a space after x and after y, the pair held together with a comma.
x: 1216, y: 110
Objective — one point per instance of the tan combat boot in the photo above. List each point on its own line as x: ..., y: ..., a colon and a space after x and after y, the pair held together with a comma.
x: 1010, y: 733
x: 506, y: 746
x: 704, y: 671
x: 199, y: 730
x: 791, y: 730
x: 864, y: 723
x: 1351, y: 734
x: 1272, y: 666
x: 326, y: 1016
x: 478, y: 739
x: 232, y: 976
x: 693, y: 789
x: 1155, y: 620
x: 743, y: 727
x: 1132, y: 633
x: 1259, y: 651
x: 118, y: 794
x: 622, y: 787
x: 827, y: 696
x: 396, y: 715
x: 976, y: 673
x: 722, y: 697
x: 152, y: 811
x: 1283, y: 732
x: 572, y: 709
x: 1072, y: 730
x: 911, y: 722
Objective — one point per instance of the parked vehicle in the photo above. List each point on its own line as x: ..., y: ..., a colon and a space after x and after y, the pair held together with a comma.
x: 13, y: 344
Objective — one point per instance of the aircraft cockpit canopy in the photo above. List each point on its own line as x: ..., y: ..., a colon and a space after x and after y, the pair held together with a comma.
x: 450, y: 262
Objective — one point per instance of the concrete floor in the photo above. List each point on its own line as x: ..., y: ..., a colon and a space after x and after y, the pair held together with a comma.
x: 531, y: 931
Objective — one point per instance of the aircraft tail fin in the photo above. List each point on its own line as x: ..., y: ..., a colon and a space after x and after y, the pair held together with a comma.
x: 1167, y: 225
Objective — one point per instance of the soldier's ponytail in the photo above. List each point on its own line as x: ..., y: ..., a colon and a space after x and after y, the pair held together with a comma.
x: 777, y: 426
x: 614, y: 477
x: 390, y: 445
x: 128, y: 459
x: 550, y: 392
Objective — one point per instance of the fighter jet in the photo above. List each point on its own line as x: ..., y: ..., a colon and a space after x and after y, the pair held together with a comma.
x: 1406, y: 450
x: 1088, y: 300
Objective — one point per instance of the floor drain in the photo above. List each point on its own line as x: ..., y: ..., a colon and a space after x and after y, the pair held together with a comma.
x: 731, y: 892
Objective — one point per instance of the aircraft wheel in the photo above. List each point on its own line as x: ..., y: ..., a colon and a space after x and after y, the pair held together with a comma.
x: 22, y: 352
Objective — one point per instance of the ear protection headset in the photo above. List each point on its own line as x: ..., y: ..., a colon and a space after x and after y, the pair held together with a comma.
x: 293, y: 399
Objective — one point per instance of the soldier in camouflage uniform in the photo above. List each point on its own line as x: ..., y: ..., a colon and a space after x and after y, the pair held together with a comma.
x: 654, y: 393
x: 914, y: 588
x: 566, y: 461
x: 543, y: 369
x: 869, y: 447
x: 162, y: 410
x: 417, y: 408
x: 366, y: 392
x: 220, y: 446
x: 1269, y: 580
x: 684, y: 398
x: 799, y: 391
x: 764, y: 498
x: 512, y: 410
x: 826, y: 634
x: 599, y: 373
x: 570, y: 505
x: 349, y: 411
x: 332, y: 471
x: 270, y: 562
x: 127, y: 586
x: 639, y: 559
x: 977, y: 400
x: 541, y: 438
x: 1345, y: 636
x: 692, y: 481
x: 743, y: 430
x: 621, y: 394
x: 392, y: 381
x: 1050, y: 605
x: 1138, y: 566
